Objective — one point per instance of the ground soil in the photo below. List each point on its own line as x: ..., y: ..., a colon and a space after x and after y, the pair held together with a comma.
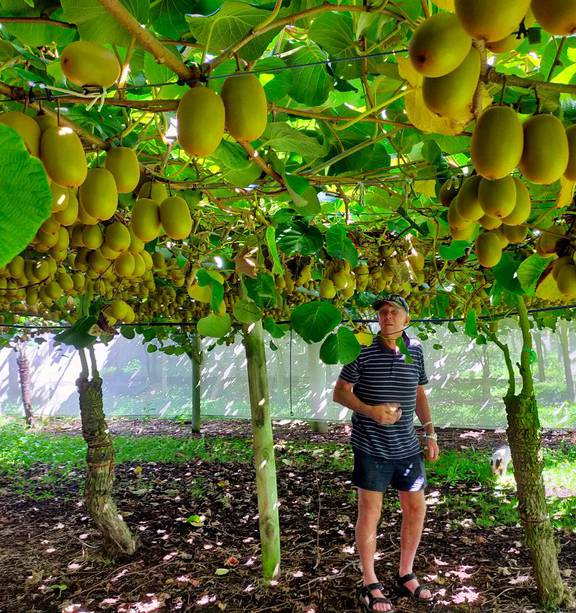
x: 198, y: 529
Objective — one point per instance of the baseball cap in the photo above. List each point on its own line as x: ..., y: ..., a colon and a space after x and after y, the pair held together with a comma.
x: 394, y: 299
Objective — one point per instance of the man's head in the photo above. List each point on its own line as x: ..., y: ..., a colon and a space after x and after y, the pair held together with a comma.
x: 393, y: 315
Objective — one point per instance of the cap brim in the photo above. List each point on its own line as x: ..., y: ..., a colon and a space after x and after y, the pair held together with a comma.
x: 380, y: 303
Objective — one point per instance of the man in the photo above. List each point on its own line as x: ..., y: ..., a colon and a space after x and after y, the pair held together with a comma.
x: 384, y: 390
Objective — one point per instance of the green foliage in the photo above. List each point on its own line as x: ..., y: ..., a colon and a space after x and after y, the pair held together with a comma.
x: 314, y: 320
x: 24, y: 194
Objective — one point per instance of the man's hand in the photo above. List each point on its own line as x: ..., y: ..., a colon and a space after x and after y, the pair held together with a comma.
x: 386, y: 413
x: 432, y: 450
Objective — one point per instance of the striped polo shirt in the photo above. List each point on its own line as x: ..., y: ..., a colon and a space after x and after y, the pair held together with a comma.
x: 379, y: 375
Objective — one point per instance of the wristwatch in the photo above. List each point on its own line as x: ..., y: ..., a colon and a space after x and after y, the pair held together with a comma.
x: 433, y: 436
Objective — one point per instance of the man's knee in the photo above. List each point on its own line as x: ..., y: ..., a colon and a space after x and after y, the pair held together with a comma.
x: 369, y: 505
x: 413, y: 504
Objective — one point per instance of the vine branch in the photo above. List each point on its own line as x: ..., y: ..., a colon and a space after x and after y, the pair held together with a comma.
x: 148, y: 41
x: 44, y: 20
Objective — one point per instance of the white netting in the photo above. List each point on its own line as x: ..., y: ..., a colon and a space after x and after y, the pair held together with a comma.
x: 467, y: 381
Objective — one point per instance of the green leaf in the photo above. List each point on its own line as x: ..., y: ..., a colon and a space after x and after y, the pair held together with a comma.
x: 169, y: 17
x: 220, y: 572
x: 530, y: 271
x: 334, y: 32
x: 24, y: 193
x: 97, y: 24
x: 273, y: 328
x: 314, y: 320
x: 286, y: 139
x: 277, y: 267
x: 217, y: 295
x: 453, y: 251
x: 276, y: 84
x: 262, y: 290
x: 404, y: 350
x: 34, y: 34
x: 215, y: 326
x: 236, y: 167
x: 78, y: 335
x: 246, y: 311
x: 303, y: 194
x: 152, y: 349
x: 471, y: 324
x: 229, y: 24
x: 339, y: 246
x: 195, y: 520
x: 298, y: 237
x: 312, y: 84
x: 128, y: 332
x: 505, y: 273
x: 340, y: 348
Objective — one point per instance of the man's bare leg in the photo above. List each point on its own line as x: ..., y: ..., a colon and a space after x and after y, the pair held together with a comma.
x: 413, y: 506
x: 369, y: 510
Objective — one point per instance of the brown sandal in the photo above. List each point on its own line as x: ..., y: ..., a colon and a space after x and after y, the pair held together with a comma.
x: 402, y: 590
x: 365, y: 593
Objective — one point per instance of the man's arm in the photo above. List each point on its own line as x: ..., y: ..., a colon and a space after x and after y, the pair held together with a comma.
x: 425, y: 417
x: 423, y: 410
x: 381, y: 413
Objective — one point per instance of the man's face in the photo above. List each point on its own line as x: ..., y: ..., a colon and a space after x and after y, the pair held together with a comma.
x: 392, y: 320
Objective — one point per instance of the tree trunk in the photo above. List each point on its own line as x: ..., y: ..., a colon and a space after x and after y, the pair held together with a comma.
x: 25, y: 383
x: 195, y: 355
x: 525, y: 445
x: 540, y: 354
x: 263, y: 450
x: 565, y: 348
x: 100, y: 470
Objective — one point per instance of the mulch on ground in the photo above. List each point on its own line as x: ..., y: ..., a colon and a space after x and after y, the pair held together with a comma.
x: 198, y: 528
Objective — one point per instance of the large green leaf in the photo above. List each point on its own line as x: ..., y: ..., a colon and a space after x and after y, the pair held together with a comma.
x: 246, y: 311
x: 34, y: 34
x: 338, y: 245
x: 215, y: 326
x: 236, y: 167
x: 340, y: 348
x: 205, y: 278
x: 277, y: 267
x: 298, y: 237
x: 303, y: 195
x: 169, y: 17
x: 25, y: 197
x: 80, y: 335
x: 311, y: 84
x: 471, y: 324
x: 276, y: 78
x: 334, y: 33
x: 262, y: 290
x: 314, y: 320
x: 530, y: 271
x: 273, y: 328
x: 97, y: 24
x: 228, y: 25
x: 453, y: 251
x: 505, y: 273
x: 283, y: 138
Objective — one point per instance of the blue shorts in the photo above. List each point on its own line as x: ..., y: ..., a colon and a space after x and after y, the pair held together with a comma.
x: 376, y: 474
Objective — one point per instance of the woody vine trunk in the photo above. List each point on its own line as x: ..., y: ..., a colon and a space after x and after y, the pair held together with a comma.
x: 25, y: 383
x: 100, y: 464
x: 524, y: 438
x: 264, y: 460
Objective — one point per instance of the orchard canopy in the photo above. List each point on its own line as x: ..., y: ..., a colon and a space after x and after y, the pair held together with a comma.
x: 219, y: 164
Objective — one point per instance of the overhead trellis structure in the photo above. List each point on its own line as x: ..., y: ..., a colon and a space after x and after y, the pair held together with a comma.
x: 235, y: 166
